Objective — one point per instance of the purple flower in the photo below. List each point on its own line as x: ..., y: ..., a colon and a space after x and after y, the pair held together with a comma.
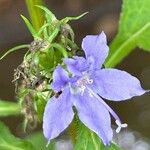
x: 84, y: 85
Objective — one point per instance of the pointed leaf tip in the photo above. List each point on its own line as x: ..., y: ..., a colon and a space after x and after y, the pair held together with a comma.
x: 49, y: 15
x: 30, y: 27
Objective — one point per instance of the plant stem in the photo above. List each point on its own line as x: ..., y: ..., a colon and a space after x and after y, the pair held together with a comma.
x: 36, y: 14
x: 8, y: 108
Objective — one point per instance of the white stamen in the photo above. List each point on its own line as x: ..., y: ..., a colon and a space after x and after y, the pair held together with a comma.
x: 118, y: 129
x: 82, y: 90
x: 90, y: 94
x: 120, y: 126
x: 82, y: 82
x: 90, y: 81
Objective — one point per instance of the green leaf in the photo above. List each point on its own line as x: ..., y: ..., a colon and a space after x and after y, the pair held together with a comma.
x: 67, y: 19
x: 48, y: 14
x: 45, y: 59
x: 9, y: 108
x: 43, y: 28
x: 60, y: 48
x: 88, y: 140
x: 14, y: 49
x: 9, y: 142
x: 41, y: 100
x: 54, y: 26
x: 38, y: 140
x: 30, y: 27
x: 134, y: 30
x: 54, y: 33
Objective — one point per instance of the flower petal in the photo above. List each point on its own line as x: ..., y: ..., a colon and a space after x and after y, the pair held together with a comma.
x: 96, y: 46
x: 76, y: 65
x: 116, y: 85
x: 95, y: 116
x: 60, y: 78
x: 58, y: 115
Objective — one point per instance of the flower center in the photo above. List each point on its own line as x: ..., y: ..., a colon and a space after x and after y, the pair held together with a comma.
x: 84, y: 80
x: 81, y: 84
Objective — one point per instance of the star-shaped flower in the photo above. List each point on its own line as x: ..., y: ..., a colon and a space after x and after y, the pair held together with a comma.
x: 84, y: 85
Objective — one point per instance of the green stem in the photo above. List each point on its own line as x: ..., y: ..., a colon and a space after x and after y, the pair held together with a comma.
x: 35, y: 13
x: 8, y: 108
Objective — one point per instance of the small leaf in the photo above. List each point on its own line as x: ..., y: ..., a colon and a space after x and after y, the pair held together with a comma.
x: 45, y: 33
x: 60, y: 48
x: 43, y: 28
x: 45, y: 59
x: 49, y: 15
x: 66, y: 29
x: 41, y: 100
x: 67, y: 19
x: 51, y: 31
x: 14, y: 49
x: 54, y: 33
x: 30, y: 27
x: 88, y: 140
x: 134, y: 30
x: 9, y: 142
